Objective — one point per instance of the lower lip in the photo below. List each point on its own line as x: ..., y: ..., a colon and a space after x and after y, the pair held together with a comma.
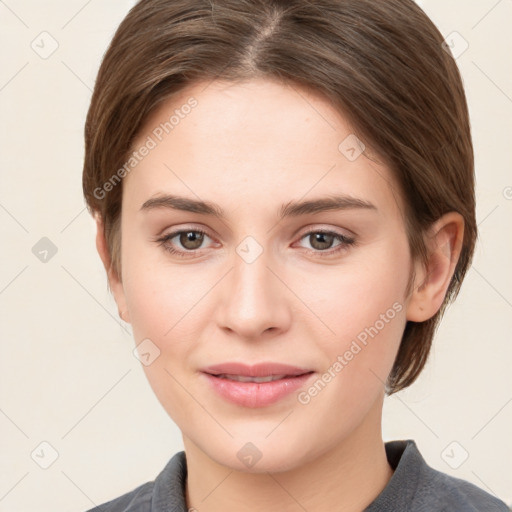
x: 256, y: 394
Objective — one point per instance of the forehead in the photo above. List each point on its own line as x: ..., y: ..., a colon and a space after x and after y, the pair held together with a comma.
x: 251, y: 141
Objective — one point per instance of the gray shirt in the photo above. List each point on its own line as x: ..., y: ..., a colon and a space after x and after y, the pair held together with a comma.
x: 414, y: 487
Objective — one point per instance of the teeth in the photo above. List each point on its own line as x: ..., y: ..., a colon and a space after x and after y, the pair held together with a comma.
x: 244, y: 378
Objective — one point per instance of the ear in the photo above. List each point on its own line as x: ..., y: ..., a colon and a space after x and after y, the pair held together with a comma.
x: 444, y: 243
x: 114, y: 281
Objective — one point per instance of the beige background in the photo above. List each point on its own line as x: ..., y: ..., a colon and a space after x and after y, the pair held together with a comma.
x: 68, y: 375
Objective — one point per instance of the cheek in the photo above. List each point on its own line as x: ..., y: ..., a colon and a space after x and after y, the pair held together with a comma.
x: 157, y: 295
x: 350, y: 297
x: 165, y: 308
x: 358, y: 358
x: 363, y: 311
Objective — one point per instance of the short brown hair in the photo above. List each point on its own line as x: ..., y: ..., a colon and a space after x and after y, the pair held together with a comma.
x: 381, y: 63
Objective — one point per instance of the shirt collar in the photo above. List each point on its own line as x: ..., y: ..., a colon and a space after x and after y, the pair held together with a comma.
x: 403, y: 456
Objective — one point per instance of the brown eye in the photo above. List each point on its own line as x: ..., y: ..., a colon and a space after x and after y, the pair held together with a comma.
x: 321, y: 241
x: 183, y: 242
x: 191, y: 240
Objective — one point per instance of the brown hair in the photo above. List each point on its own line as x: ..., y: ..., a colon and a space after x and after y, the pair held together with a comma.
x: 380, y: 63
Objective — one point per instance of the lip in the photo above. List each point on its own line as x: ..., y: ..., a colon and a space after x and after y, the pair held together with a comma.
x: 256, y: 394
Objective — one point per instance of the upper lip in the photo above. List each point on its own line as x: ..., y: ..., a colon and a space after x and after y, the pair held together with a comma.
x: 257, y: 370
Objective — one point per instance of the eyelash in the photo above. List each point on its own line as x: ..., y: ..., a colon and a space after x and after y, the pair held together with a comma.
x: 345, y: 242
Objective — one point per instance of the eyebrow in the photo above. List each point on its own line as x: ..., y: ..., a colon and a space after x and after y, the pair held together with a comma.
x: 290, y: 209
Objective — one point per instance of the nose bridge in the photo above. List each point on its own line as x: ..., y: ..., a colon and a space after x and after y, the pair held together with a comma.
x: 254, y: 300
x: 253, y: 281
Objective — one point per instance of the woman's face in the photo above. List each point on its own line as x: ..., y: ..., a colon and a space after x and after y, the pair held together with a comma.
x: 260, y: 286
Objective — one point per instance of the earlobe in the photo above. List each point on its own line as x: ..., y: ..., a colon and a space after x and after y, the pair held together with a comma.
x: 114, y: 281
x: 444, y: 244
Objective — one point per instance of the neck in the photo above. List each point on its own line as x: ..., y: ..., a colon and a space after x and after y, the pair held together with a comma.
x: 346, y: 477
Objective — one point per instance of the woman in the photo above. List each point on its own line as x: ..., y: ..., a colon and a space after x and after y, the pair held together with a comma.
x: 284, y: 197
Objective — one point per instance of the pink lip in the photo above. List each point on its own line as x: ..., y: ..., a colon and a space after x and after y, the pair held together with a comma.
x: 256, y: 394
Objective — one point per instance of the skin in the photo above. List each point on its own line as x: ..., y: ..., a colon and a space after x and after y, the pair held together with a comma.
x: 252, y: 147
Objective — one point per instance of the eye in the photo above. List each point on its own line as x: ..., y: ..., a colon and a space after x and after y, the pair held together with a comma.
x: 321, y: 240
x: 189, y: 239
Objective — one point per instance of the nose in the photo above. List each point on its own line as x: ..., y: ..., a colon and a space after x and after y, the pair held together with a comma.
x: 254, y: 302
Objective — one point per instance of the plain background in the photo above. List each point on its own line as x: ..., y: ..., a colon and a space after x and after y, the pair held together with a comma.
x: 69, y: 378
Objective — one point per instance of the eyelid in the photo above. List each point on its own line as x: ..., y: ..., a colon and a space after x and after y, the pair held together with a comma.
x: 322, y: 228
x: 178, y: 231
x: 186, y: 227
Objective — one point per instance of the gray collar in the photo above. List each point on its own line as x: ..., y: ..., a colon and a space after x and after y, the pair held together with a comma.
x: 403, y: 456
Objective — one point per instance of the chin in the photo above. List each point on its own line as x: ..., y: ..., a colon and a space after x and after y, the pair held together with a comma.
x: 260, y: 455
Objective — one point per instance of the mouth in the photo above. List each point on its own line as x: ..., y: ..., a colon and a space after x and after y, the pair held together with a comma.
x: 257, y: 386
